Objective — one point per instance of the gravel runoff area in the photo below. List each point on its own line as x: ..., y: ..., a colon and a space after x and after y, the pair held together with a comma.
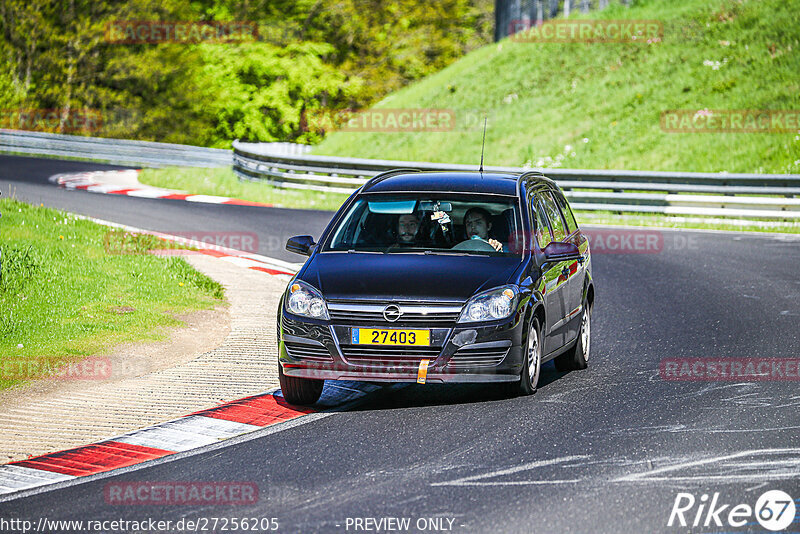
x: 220, y: 355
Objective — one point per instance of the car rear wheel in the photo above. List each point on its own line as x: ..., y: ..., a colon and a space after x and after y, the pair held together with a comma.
x: 578, y: 356
x: 300, y: 391
x: 533, y: 361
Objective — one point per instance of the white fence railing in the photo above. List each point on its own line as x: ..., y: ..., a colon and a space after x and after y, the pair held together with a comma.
x: 758, y: 196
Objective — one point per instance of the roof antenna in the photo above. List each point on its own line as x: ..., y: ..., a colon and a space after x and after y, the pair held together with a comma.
x: 483, y: 144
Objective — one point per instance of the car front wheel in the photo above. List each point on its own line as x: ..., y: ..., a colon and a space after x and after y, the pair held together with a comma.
x: 299, y: 391
x: 533, y: 360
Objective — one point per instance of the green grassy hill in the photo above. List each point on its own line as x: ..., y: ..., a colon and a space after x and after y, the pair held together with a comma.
x: 599, y: 105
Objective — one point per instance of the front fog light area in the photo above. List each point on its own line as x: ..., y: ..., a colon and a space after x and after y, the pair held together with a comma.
x: 495, y: 304
x: 306, y: 301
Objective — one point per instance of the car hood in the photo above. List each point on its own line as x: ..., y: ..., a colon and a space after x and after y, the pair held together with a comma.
x: 406, y: 276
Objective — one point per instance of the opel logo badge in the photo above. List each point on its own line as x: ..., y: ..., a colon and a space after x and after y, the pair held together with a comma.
x: 392, y: 313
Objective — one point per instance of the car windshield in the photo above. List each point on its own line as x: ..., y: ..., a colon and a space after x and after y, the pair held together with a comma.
x: 426, y: 223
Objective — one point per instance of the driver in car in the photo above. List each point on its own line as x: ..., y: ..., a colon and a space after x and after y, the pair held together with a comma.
x: 477, y: 223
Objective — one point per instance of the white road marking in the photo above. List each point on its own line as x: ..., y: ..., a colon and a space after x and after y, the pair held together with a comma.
x: 207, y: 199
x: 187, y: 433
x: 82, y: 182
x: 15, y: 478
x: 103, y: 188
x: 148, y: 193
x: 213, y: 427
x: 648, y: 476
x: 474, y: 480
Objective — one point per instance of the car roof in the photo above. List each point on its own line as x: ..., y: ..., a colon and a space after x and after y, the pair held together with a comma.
x: 497, y: 183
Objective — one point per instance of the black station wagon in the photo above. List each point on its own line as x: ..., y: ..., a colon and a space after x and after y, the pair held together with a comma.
x: 439, y: 277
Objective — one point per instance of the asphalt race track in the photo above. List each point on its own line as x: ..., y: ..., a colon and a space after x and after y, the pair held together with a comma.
x: 607, y: 449
x: 27, y: 179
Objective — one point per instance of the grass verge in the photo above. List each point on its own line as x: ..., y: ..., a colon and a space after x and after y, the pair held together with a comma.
x: 63, y: 297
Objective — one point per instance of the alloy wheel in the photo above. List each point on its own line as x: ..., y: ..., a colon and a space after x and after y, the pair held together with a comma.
x: 534, y: 359
x: 586, y: 333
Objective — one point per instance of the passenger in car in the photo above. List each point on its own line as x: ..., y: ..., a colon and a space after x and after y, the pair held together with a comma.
x: 407, y: 228
x: 477, y: 224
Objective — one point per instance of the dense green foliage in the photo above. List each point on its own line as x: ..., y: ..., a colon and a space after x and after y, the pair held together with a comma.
x: 599, y: 105
x: 310, y: 55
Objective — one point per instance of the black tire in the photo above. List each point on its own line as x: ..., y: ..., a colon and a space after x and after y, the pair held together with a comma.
x: 300, y: 391
x: 532, y: 362
x: 577, y: 357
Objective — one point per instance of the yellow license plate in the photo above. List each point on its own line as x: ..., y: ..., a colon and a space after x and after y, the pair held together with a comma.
x: 373, y: 336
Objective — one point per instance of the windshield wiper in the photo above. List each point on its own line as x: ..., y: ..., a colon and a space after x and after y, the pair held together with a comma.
x: 444, y: 251
x: 354, y: 251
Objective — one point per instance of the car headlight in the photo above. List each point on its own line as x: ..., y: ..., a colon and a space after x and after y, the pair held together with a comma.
x: 302, y: 299
x: 491, y: 305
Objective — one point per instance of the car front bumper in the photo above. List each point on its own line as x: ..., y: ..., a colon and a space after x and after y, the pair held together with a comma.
x: 460, y: 353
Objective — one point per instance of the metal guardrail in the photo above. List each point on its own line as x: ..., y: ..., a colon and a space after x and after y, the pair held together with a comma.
x: 757, y: 196
x: 117, y: 151
x: 752, y: 196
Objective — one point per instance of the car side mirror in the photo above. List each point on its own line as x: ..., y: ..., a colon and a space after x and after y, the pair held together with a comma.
x: 300, y: 244
x: 559, y: 251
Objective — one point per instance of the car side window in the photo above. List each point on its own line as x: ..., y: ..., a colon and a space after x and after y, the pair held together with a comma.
x: 566, y: 211
x: 554, y: 216
x: 543, y: 236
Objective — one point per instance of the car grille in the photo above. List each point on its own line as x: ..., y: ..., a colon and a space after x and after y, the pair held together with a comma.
x: 413, y: 314
x: 301, y: 351
x: 378, y: 355
x: 478, y: 357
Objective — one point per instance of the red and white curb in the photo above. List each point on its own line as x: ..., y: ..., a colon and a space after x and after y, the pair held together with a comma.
x: 127, y: 183
x: 199, y: 430
x: 189, y: 433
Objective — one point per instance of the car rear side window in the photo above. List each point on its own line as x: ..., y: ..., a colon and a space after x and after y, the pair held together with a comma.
x: 543, y: 236
x: 554, y: 216
x: 572, y: 225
